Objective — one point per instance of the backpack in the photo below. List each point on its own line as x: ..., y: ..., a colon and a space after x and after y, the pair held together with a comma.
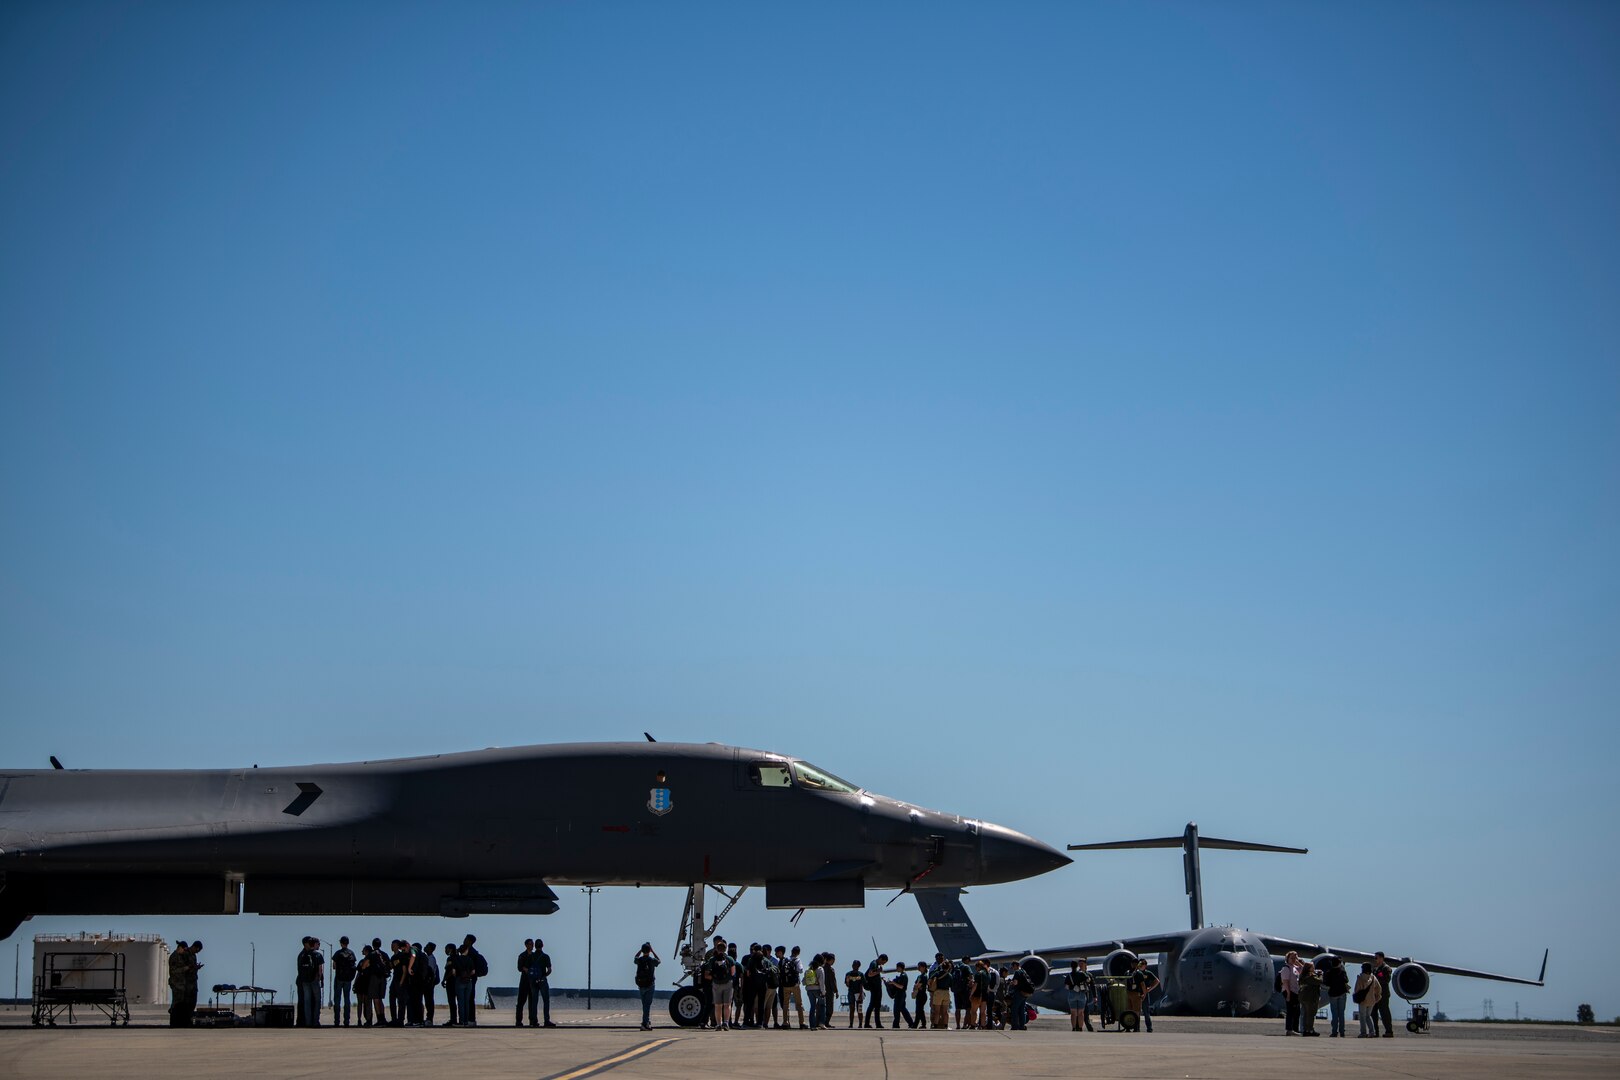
x: 767, y: 970
x: 480, y: 965
x: 343, y: 965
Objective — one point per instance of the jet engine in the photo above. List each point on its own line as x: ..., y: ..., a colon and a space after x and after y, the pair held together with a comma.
x: 1119, y: 962
x: 1036, y: 968
x: 1320, y: 962
x: 1411, y: 981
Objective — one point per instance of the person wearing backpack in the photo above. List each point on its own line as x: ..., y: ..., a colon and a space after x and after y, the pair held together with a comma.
x: 646, y: 962
x: 1022, y: 987
x: 874, y: 990
x: 1078, y: 985
x: 470, y: 967
x: 770, y: 980
x: 343, y: 968
x: 789, y: 994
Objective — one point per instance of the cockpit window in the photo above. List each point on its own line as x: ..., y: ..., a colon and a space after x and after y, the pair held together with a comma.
x: 769, y: 774
x: 812, y: 777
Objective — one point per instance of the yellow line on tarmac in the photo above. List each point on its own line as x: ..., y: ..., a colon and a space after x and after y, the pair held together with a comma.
x: 594, y: 1067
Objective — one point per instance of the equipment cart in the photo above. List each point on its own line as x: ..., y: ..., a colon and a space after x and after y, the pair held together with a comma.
x: 71, y: 980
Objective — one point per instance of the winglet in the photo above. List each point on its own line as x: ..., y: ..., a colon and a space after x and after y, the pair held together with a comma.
x: 1541, y: 980
x: 54, y: 763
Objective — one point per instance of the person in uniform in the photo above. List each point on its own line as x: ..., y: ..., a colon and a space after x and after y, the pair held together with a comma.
x: 540, y: 980
x: 939, y: 988
x: 1382, y: 972
x: 1019, y: 991
x: 646, y: 962
x: 1146, y: 982
x: 343, y: 969
x: 525, y: 994
x: 178, y: 961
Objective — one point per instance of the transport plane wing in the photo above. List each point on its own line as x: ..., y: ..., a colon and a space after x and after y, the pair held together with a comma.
x: 1310, y: 949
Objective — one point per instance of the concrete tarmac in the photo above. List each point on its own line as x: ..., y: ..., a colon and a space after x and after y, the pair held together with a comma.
x: 606, y: 1042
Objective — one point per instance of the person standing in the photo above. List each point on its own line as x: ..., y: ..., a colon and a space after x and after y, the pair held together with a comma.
x: 377, y: 986
x: 1148, y: 982
x: 874, y: 992
x: 896, y: 986
x: 1382, y: 972
x: 721, y: 975
x: 792, y: 974
x: 1368, y: 992
x: 855, y: 990
x: 646, y: 962
x: 465, y: 965
x: 1310, y: 998
x: 450, y: 1004
x: 525, y: 994
x: 963, y: 978
x: 1023, y: 987
x: 540, y: 978
x: 343, y: 968
x: 1077, y: 984
x: 431, y: 962
x: 473, y: 968
x: 362, y: 983
x: 812, y: 989
x: 311, y: 978
x: 919, y: 993
x: 179, y: 962
x: 940, y: 977
x: 1288, y: 982
x: 1336, y: 983
x: 829, y: 988
x: 399, y: 962
x: 979, y: 987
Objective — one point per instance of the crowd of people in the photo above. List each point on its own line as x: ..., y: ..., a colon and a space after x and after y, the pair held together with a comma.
x: 1304, y: 985
x: 772, y: 987
x: 768, y: 987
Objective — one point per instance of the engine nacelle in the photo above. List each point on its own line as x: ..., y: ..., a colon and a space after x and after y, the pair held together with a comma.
x: 1119, y: 962
x: 1320, y: 961
x: 1036, y: 968
x: 1411, y: 981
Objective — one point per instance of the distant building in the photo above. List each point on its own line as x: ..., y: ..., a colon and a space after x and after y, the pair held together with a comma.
x: 146, y: 961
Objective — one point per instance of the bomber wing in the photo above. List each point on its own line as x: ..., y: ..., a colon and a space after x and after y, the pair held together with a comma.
x: 1279, y: 945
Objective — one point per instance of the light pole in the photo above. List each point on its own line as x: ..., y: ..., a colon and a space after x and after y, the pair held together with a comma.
x: 253, y: 964
x: 590, y: 901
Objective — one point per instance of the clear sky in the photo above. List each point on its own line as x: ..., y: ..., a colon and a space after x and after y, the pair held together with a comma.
x: 1089, y: 417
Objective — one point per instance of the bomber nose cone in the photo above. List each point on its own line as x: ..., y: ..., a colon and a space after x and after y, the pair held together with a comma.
x: 1006, y: 855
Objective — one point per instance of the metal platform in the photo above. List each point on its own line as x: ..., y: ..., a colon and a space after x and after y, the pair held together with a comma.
x: 71, y: 981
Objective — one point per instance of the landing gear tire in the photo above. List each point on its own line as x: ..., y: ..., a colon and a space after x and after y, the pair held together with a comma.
x: 687, y: 1007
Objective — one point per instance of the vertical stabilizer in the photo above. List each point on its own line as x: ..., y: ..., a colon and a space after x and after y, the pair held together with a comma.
x: 948, y: 922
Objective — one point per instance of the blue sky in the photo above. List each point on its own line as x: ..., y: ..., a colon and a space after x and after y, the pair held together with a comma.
x: 1137, y: 412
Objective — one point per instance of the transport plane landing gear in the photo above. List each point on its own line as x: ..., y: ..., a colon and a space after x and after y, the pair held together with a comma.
x: 689, y: 1007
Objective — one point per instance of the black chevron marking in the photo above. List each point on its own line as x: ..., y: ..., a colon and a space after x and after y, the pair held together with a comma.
x: 308, y: 794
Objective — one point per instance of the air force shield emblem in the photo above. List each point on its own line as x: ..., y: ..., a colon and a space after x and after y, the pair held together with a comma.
x: 659, y: 802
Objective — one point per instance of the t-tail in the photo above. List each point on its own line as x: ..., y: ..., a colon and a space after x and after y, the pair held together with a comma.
x: 1189, y: 842
x: 948, y: 921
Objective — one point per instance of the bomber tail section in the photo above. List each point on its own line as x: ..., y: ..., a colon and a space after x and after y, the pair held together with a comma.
x: 948, y: 922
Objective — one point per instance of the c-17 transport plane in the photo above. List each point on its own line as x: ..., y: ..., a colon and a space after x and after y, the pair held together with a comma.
x: 1203, y: 971
x: 484, y: 832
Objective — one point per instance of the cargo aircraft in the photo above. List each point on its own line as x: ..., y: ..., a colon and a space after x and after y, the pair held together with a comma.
x: 1203, y: 971
x: 483, y: 832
